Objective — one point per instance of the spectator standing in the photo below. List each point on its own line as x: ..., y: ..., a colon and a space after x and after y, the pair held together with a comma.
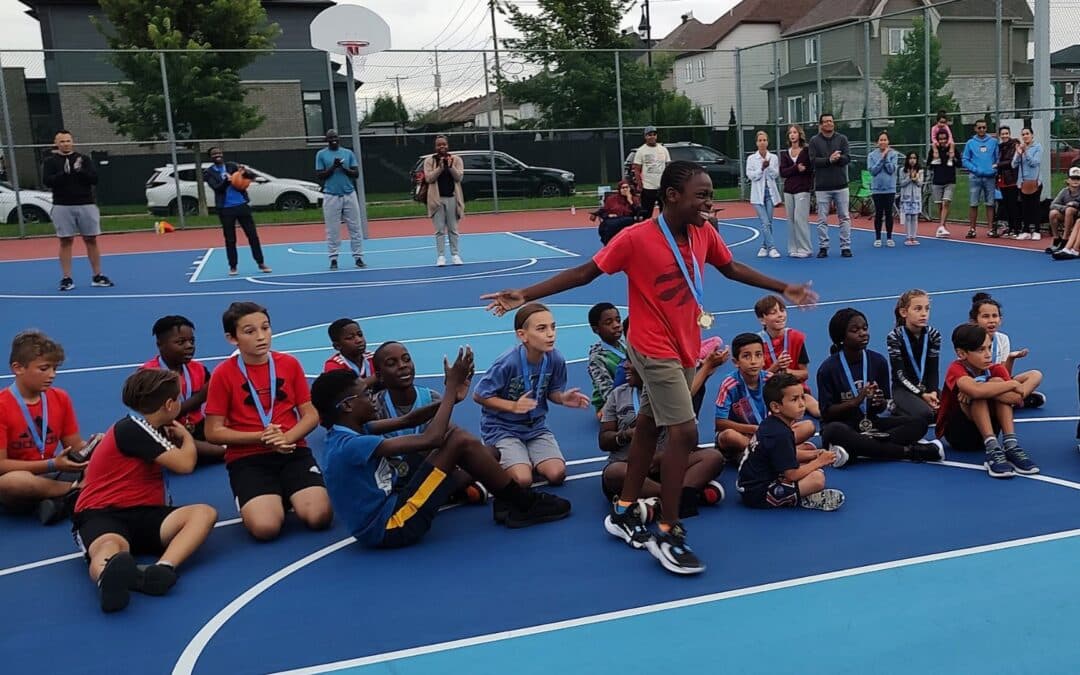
x: 445, y: 200
x: 979, y: 158
x: 882, y: 163
x: 1028, y: 162
x: 649, y: 163
x: 795, y: 170
x: 231, y: 203
x: 830, y: 155
x: 762, y: 169
x: 1006, y: 183
x: 337, y: 168
x: 72, y: 177
x: 944, y: 179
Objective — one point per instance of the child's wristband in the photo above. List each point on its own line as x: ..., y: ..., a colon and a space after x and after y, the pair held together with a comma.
x: 51, y: 465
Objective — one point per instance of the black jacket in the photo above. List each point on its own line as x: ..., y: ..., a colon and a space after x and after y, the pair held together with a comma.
x: 830, y: 175
x: 220, y: 185
x: 70, y: 186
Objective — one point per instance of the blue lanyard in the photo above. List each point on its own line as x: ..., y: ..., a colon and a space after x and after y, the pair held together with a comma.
x: 697, y: 287
x: 758, y: 413
x: 364, y: 371
x: 985, y: 377
x: 993, y: 349
x: 636, y: 400
x: 423, y: 398
x: 263, y: 416
x: 41, y: 437
x: 851, y: 380
x: 921, y: 368
x: 615, y: 350
x: 539, y: 389
x: 140, y: 419
x: 187, y: 378
x: 767, y: 339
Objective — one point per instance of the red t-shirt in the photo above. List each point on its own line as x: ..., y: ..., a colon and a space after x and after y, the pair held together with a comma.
x: 796, y: 348
x: 15, y: 434
x: 950, y: 407
x: 199, y: 376
x: 123, y: 473
x: 339, y: 362
x: 665, y: 313
x: 229, y: 397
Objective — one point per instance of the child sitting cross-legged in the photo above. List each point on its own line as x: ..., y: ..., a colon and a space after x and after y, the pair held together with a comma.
x: 775, y: 473
x: 361, y: 479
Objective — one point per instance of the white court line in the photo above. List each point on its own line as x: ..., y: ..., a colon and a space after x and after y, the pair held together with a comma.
x: 675, y: 604
x: 392, y: 282
x: 367, y: 251
x: 543, y: 243
x: 199, y: 265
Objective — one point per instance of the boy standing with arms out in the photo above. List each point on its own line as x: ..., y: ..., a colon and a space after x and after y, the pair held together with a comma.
x: 259, y: 407
x: 608, y: 354
x: 663, y: 260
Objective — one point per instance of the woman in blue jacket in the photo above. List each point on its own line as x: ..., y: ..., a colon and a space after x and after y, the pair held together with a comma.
x: 1028, y: 161
x: 882, y: 163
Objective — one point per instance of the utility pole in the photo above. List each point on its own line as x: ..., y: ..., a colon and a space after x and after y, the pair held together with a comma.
x: 438, y: 85
x: 646, y: 27
x: 498, y: 71
x: 401, y: 104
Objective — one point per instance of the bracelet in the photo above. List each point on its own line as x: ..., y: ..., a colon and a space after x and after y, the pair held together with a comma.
x: 51, y: 465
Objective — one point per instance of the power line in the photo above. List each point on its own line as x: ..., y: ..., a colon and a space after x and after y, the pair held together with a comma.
x: 445, y: 27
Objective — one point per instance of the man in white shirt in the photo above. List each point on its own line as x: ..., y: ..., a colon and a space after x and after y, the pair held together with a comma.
x: 649, y: 163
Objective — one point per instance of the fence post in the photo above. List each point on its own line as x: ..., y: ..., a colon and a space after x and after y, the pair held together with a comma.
x: 927, y: 123
x: 491, y: 136
x: 618, y: 108
x: 1042, y: 87
x: 739, y: 121
x: 820, y: 93
x: 997, y: 70
x: 172, y: 141
x: 333, y: 91
x: 776, y: 94
x: 10, y: 150
x: 866, y: 85
x: 354, y: 132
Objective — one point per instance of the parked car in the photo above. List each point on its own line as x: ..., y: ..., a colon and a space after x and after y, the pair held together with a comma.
x: 721, y: 168
x: 515, y: 178
x: 266, y: 192
x: 36, y: 205
x: 1063, y: 156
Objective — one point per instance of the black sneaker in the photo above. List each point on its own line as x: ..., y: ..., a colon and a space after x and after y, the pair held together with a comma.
x: 994, y: 233
x: 154, y: 579
x: 1035, y: 399
x: 101, y: 281
x: 360, y: 262
x: 671, y: 550
x: 1056, y: 246
x: 971, y: 233
x: 115, y: 582
x: 545, y: 509
x: 927, y: 451
x: 56, y: 509
x: 846, y: 253
x: 1064, y: 254
x: 628, y: 526
x: 66, y: 284
x: 333, y: 263
x: 823, y: 253
x: 500, y: 510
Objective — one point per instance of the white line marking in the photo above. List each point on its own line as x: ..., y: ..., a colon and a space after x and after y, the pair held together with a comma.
x: 755, y: 235
x: 542, y: 243
x: 675, y: 604
x: 199, y: 264
x: 390, y: 282
x: 367, y: 251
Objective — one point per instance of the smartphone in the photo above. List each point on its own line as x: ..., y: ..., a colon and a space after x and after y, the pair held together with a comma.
x: 83, y: 454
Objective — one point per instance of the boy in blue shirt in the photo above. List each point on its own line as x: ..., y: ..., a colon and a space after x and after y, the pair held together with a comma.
x: 514, y: 394
x: 361, y: 480
x: 337, y: 168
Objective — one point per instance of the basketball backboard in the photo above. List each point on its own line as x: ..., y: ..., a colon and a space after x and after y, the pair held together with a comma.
x: 351, y: 30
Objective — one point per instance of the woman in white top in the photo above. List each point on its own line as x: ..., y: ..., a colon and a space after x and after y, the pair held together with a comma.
x: 763, y: 168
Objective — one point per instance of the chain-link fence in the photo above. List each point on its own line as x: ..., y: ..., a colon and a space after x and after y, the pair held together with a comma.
x: 534, y: 129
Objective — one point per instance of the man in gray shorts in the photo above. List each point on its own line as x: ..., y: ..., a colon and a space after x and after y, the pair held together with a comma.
x: 72, y: 177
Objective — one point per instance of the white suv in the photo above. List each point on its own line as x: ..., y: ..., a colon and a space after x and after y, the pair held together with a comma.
x: 283, y: 194
x: 36, y: 205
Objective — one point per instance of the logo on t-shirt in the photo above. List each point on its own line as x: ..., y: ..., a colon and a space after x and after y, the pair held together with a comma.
x: 26, y: 442
x: 672, y: 287
x: 279, y: 397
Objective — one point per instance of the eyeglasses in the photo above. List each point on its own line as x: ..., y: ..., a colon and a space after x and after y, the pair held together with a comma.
x: 346, y: 400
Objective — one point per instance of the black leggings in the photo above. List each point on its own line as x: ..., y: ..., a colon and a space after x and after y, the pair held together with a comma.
x: 229, y: 217
x: 1010, y: 208
x: 1029, y: 205
x: 911, y: 405
x: 903, y: 431
x: 883, y: 213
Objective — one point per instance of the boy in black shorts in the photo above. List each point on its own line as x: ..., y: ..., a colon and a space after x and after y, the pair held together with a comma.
x: 125, y: 509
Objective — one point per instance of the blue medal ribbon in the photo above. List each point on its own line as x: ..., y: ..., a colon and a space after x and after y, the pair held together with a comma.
x: 264, y: 417
x: 758, y: 413
x: 921, y: 367
x: 851, y: 380
x: 695, y: 282
x: 636, y: 400
x: 768, y: 340
x: 184, y: 395
x: 39, y: 437
x: 615, y: 350
x: 538, y: 391
x: 423, y: 398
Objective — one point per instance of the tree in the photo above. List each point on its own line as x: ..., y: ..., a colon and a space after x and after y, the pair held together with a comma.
x: 903, y: 83
x: 205, y: 92
x: 386, y: 108
x: 732, y: 137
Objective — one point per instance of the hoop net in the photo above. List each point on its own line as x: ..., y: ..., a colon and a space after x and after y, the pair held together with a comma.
x: 353, y: 47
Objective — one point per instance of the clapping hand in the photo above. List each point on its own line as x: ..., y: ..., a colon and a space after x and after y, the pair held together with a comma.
x: 274, y: 438
x: 525, y: 404
x: 460, y: 373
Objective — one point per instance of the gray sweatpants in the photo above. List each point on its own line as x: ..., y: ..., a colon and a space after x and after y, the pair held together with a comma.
x: 798, y: 217
x: 338, y: 209
x: 446, y: 222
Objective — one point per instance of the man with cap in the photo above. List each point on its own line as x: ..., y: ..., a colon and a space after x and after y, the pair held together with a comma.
x: 649, y: 163
x: 337, y: 168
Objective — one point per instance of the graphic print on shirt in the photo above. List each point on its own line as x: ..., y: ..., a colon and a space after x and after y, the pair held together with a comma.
x: 672, y: 284
x: 279, y: 397
x: 26, y: 443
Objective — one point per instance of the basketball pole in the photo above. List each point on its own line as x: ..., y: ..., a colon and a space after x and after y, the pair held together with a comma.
x: 354, y: 128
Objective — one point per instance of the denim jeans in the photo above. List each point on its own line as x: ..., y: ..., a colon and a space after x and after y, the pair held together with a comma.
x: 765, y: 215
x: 840, y: 198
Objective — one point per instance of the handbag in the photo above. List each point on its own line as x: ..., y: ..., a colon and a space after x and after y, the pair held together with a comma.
x: 1029, y: 187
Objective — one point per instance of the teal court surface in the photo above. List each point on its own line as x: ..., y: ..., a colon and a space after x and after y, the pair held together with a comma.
x: 928, y: 568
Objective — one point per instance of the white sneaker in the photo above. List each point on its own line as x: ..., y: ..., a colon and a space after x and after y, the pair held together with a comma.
x: 877, y: 243
x: 762, y: 252
x: 890, y: 243
x: 1035, y: 236
x: 842, y: 456
x: 456, y: 259
x: 1024, y: 236
x: 773, y: 253
x: 942, y: 232
x: 440, y: 261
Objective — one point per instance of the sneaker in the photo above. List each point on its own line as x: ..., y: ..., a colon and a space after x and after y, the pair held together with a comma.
x: 56, y: 509
x: 773, y: 253
x: 911, y: 242
x: 842, y: 456
x: 927, y: 451
x: 440, y: 261
x: 1066, y: 254
x: 1035, y: 399
x: 154, y: 579
x: 994, y: 232
x: 828, y: 499
x: 232, y: 272
x: 545, y: 509
x: 877, y: 243
x: 823, y: 253
x: 846, y: 253
x: 997, y: 465
x: 971, y: 233
x: 1022, y: 464
x: 1036, y: 236
x: 101, y: 281
x: 456, y: 260
x: 115, y: 582
x: 648, y: 509
x: 671, y: 550
x: 713, y: 493
x: 1054, y: 247
x: 628, y: 527
x: 942, y: 232
x: 265, y: 269
x: 333, y: 263
x: 1023, y: 236
x: 66, y: 284
x: 500, y: 510
x: 475, y: 493
x: 890, y: 243
x: 762, y: 252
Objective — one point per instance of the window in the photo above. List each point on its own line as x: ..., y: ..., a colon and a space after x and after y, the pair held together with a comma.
x: 707, y: 113
x: 815, y: 106
x: 689, y: 71
x: 681, y: 154
x: 811, y: 48
x: 475, y: 162
x: 314, y: 119
x: 897, y: 37
x: 701, y: 68
x: 794, y: 109
x: 504, y: 164
x: 1069, y: 88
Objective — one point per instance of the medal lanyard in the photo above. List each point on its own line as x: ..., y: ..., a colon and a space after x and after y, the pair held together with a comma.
x: 851, y: 380
x: 614, y: 349
x: 538, y: 390
x: 264, y: 417
x: 39, y: 437
x: 361, y: 371
x: 184, y: 394
x: 758, y: 413
x: 695, y: 282
x: 921, y: 367
x: 636, y: 400
x: 391, y: 411
x: 767, y: 339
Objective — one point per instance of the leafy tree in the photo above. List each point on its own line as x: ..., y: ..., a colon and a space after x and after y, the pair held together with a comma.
x: 731, y: 145
x: 903, y: 83
x: 386, y: 108
x: 205, y: 91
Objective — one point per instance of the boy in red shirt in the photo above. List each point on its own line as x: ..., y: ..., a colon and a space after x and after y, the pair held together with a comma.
x: 348, y: 339
x: 176, y: 352
x: 37, y: 431
x: 785, y: 347
x: 663, y: 260
x: 977, y: 402
x: 125, y: 508
x: 259, y: 407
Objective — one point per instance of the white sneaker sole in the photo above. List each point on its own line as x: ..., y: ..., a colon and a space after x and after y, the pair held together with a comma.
x: 999, y: 474
x: 617, y: 532
x: 828, y: 499
x: 653, y: 547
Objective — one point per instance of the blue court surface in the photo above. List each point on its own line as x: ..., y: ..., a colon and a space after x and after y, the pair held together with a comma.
x: 928, y: 568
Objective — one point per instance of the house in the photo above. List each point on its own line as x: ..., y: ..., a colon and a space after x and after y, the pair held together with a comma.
x: 830, y: 39
x: 1065, y: 73
x: 472, y: 113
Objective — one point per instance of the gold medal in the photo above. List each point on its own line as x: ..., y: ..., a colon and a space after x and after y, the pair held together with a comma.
x: 704, y: 319
x: 865, y: 425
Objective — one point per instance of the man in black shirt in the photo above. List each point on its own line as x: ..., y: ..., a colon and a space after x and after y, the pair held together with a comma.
x: 944, y: 181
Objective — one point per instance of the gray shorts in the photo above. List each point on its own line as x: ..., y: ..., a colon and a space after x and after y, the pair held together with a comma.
x: 80, y: 220
x: 940, y: 193
x: 532, y: 452
x: 665, y: 396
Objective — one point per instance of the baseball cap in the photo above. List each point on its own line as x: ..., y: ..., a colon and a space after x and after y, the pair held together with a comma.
x: 649, y: 130
x: 1074, y: 172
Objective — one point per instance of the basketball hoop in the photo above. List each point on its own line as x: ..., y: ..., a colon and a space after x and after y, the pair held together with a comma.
x: 353, y: 47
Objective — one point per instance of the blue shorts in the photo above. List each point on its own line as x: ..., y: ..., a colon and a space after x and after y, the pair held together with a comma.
x: 775, y: 495
x: 981, y: 190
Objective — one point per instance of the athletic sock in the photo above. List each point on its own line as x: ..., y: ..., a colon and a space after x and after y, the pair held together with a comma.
x: 622, y: 505
x: 516, y: 495
x: 166, y: 563
x: 1009, y: 441
x: 991, y: 444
